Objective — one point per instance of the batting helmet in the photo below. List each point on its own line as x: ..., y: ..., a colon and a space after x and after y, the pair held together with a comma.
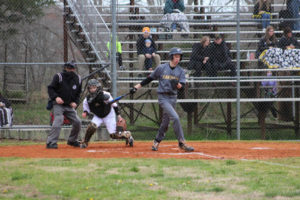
x: 174, y: 51
x: 94, y: 82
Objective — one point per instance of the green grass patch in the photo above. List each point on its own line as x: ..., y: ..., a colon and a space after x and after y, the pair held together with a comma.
x: 148, y: 179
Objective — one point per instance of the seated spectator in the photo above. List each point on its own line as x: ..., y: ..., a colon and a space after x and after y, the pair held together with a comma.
x: 118, y: 53
x: 173, y: 16
x: 268, y: 41
x: 220, y: 57
x: 200, y: 56
x: 149, y: 53
x: 6, y: 112
x: 270, y: 91
x: 293, y: 7
x: 262, y: 10
x: 287, y: 41
x: 141, y: 46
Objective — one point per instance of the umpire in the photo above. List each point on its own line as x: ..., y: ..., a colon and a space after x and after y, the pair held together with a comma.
x: 64, y: 91
x: 171, y: 78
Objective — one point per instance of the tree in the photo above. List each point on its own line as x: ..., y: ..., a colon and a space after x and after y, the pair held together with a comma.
x: 13, y: 12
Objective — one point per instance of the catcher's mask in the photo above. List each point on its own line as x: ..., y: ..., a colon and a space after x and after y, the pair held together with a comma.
x: 174, y: 51
x: 94, y: 82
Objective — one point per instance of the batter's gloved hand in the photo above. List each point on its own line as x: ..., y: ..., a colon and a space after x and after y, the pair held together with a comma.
x: 174, y: 83
x: 133, y: 90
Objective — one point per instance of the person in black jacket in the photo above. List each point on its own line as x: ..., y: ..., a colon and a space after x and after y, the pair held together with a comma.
x: 220, y: 57
x: 200, y: 56
x: 287, y: 41
x: 64, y: 91
x: 268, y: 41
x: 140, y: 46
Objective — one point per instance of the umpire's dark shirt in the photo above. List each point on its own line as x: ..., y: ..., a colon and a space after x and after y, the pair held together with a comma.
x: 68, y: 89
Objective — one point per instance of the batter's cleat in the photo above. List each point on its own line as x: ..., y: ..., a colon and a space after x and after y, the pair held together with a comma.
x: 185, y: 147
x: 83, y: 145
x: 74, y: 143
x: 155, y: 145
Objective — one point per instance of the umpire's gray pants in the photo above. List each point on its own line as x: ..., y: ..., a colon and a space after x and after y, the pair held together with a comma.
x: 59, y: 111
x: 168, y: 103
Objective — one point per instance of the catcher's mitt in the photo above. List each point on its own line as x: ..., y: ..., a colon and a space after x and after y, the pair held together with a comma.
x: 121, y: 125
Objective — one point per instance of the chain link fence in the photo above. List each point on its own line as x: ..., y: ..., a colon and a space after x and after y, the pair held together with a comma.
x: 234, y: 88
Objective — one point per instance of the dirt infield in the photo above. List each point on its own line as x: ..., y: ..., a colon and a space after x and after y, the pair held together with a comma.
x: 203, y: 150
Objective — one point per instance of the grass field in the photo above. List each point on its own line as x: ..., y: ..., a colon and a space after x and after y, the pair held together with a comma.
x: 148, y: 178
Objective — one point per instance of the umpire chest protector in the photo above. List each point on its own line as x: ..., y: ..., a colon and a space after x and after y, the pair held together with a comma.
x: 98, y: 106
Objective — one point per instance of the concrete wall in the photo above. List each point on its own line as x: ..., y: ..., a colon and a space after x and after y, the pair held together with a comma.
x: 41, y: 134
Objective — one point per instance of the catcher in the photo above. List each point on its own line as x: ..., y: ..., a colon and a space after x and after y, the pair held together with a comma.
x: 97, y: 102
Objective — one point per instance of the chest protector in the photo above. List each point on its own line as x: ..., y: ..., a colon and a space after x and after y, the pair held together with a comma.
x: 98, y: 106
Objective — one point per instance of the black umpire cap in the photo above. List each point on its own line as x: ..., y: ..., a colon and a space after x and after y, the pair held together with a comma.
x: 70, y: 65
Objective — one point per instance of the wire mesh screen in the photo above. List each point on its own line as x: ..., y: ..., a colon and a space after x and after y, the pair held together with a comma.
x: 259, y: 71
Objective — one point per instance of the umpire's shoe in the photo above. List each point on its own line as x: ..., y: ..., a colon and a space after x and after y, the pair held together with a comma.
x: 184, y: 147
x: 74, y: 143
x: 51, y: 146
x: 155, y: 145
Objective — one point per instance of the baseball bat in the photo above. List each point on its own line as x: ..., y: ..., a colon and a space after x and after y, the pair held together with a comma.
x: 118, y: 98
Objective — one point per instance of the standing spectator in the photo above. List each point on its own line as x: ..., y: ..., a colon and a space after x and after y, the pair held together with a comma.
x: 140, y: 46
x: 293, y: 7
x: 64, y: 91
x: 149, y: 53
x: 262, y: 10
x: 268, y: 41
x: 6, y: 112
x: 118, y: 52
x: 270, y: 91
x: 220, y: 57
x: 287, y: 41
x: 173, y: 16
x: 171, y: 78
x: 200, y: 56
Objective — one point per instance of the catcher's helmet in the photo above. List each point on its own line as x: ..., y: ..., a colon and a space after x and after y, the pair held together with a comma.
x: 94, y: 82
x: 174, y: 51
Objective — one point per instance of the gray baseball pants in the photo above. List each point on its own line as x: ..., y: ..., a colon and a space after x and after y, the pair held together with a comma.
x: 168, y: 103
x: 59, y: 111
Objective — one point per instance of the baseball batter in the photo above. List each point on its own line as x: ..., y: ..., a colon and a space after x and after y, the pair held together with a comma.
x: 97, y: 102
x: 171, y: 78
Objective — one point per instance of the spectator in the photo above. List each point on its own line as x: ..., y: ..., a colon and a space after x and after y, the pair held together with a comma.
x: 118, y: 52
x: 149, y: 53
x: 200, y: 56
x: 268, y: 41
x: 173, y: 16
x: 270, y: 91
x: 64, y: 91
x: 220, y: 57
x: 287, y: 41
x: 140, y: 46
x: 262, y: 10
x: 293, y: 7
x: 6, y: 112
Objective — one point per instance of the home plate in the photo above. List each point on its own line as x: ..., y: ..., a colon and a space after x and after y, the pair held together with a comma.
x: 261, y: 148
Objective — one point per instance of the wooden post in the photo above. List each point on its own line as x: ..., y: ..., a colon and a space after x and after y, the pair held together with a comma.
x: 65, y: 32
x: 189, y: 122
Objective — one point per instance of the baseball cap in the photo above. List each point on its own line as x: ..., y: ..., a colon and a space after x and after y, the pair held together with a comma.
x: 146, y: 29
x: 69, y: 64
